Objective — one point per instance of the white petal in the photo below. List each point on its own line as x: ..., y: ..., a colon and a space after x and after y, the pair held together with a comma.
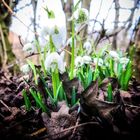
x: 98, y: 61
x: 53, y: 60
x: 25, y: 68
x: 114, y: 54
x: 29, y: 48
x: 87, y: 46
x: 78, y: 61
x: 86, y: 59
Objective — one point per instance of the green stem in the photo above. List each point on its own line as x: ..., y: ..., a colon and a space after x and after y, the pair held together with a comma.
x: 54, y: 85
x: 72, y: 52
x: 52, y: 47
x: 41, y: 59
x: 111, y: 68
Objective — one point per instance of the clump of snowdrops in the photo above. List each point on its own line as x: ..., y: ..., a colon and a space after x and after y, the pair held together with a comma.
x: 86, y: 64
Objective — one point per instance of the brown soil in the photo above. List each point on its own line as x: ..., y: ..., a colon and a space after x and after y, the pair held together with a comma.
x: 95, y: 118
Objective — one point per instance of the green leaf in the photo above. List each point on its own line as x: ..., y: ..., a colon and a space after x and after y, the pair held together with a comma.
x: 90, y: 77
x: 44, y: 84
x: 38, y: 101
x: 76, y: 5
x: 26, y: 100
x: 128, y: 75
x: 119, y: 71
x: 73, y: 99
x: 109, y: 92
x: 34, y: 70
x: 101, y: 73
x: 59, y: 92
x: 50, y: 13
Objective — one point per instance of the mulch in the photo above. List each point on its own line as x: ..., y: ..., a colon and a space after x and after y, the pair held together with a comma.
x: 93, y: 118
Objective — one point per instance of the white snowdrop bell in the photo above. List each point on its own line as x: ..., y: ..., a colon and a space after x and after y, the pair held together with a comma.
x: 54, y: 60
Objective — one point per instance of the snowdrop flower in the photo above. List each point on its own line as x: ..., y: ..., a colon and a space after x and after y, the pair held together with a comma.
x: 98, y: 61
x: 114, y: 55
x: 54, y: 60
x: 79, y: 61
x: 29, y: 48
x: 87, y: 46
x: 57, y: 30
x: 81, y: 15
x: 124, y: 61
x: 25, y: 68
x: 87, y: 59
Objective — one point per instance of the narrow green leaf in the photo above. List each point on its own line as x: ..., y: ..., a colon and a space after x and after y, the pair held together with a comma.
x: 34, y: 70
x: 109, y: 93
x: 40, y: 102
x: 128, y: 75
x: 90, y: 77
x: 26, y: 100
x: 73, y: 99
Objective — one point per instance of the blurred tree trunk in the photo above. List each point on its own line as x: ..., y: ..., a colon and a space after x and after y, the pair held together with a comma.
x: 86, y: 5
x: 137, y: 53
x: 117, y: 7
x: 6, y: 55
x: 68, y: 12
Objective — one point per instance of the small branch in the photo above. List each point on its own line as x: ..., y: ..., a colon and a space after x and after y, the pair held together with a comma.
x: 5, y: 57
x: 21, y: 8
x: 117, y: 7
x: 108, y: 11
x: 12, y: 12
x: 5, y: 105
x: 72, y: 127
x: 97, y: 14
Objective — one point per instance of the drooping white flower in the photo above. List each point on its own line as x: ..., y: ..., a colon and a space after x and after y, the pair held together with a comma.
x: 25, y: 68
x: 88, y: 47
x: 124, y: 61
x: 98, y: 61
x: 57, y: 30
x: 87, y: 59
x: 54, y: 60
x: 29, y: 48
x: 81, y: 15
x: 79, y: 61
x: 114, y: 55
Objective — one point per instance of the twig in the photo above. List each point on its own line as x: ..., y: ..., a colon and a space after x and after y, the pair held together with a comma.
x: 72, y: 127
x: 2, y: 115
x: 108, y: 11
x: 117, y: 7
x: 38, y: 131
x: 4, y: 48
x: 5, y: 105
x: 74, y: 130
x: 12, y: 12
x: 97, y: 14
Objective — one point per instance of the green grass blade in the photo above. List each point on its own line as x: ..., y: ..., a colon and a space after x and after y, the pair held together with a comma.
x: 73, y: 99
x: 26, y: 100
x: 109, y: 93
x: 34, y: 70
x: 128, y: 75
x: 38, y: 101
